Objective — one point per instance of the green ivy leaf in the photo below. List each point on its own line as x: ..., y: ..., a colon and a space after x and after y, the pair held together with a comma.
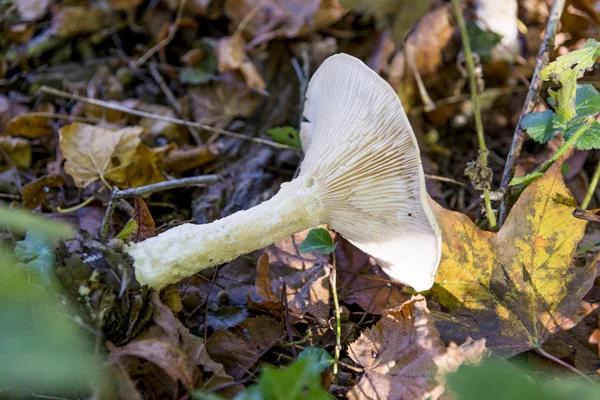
x: 318, y: 239
x: 539, y: 125
x: 285, y: 135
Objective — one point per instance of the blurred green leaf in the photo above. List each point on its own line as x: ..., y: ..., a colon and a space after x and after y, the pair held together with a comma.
x: 37, y: 254
x: 482, y: 41
x: 128, y: 230
x: 194, y: 76
x: 285, y: 135
x: 21, y: 221
x: 318, y: 239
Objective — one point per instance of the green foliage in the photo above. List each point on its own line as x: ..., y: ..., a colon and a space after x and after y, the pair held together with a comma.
x: 22, y: 221
x: 194, y: 76
x: 36, y: 253
x: 499, y: 380
x: 128, y: 230
x: 285, y: 135
x: 299, y: 380
x: 571, y: 102
x: 482, y: 42
x: 318, y: 239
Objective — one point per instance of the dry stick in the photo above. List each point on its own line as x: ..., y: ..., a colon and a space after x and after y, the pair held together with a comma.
x: 143, y: 114
x: 592, y: 188
x: 118, y: 194
x: 288, y: 323
x: 338, y: 325
x: 483, y: 151
x: 543, y: 58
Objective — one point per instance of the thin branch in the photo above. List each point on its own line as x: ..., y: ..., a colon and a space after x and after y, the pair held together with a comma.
x: 483, y: 151
x: 288, y: 323
x: 543, y: 58
x: 592, y: 188
x: 118, y: 194
x: 143, y: 114
x: 444, y: 179
x: 549, y: 356
x: 338, y: 324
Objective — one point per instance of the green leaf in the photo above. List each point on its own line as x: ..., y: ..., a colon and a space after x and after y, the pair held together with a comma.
x: 194, y: 76
x: 566, y: 70
x: 285, y: 135
x: 499, y: 380
x: 37, y: 254
x: 589, y: 140
x: 22, y: 221
x: 539, y: 125
x: 129, y: 228
x: 482, y: 41
x: 587, y: 100
x: 526, y: 180
x: 320, y: 358
x: 318, y: 239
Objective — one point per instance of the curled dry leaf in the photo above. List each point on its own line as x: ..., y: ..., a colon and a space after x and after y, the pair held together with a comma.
x: 404, y: 357
x: 282, y: 18
x: 231, y: 56
x: 240, y: 347
x: 146, y: 168
x: 518, y: 286
x: 181, y: 160
x: 29, y: 126
x: 143, y: 219
x: 34, y: 193
x: 263, y: 280
x: 16, y: 152
x: 94, y: 153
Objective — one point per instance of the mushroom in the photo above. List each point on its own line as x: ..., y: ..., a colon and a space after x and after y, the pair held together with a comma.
x: 361, y: 175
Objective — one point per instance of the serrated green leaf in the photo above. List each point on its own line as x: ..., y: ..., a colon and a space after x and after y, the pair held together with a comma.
x: 589, y: 140
x: 285, y: 135
x: 318, y: 239
x: 587, y: 100
x: 37, y: 254
x: 21, y: 221
x: 539, y: 125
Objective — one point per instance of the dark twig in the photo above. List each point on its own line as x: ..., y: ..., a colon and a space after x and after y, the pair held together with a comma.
x: 288, y: 324
x: 534, y: 90
x: 118, y: 194
x: 143, y: 114
x: 549, y: 356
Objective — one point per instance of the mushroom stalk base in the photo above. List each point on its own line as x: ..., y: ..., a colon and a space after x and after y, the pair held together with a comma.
x: 187, y: 249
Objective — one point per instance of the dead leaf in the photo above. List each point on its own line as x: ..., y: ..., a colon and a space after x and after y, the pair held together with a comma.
x: 146, y: 166
x: 29, y: 126
x: 30, y: 10
x: 354, y: 268
x: 18, y: 152
x: 68, y: 20
x: 34, y: 193
x: 94, y: 153
x: 144, y: 222
x: 263, y: 281
x: 231, y: 56
x: 518, y: 286
x: 170, y: 297
x: 240, y: 347
x: 404, y: 357
x: 181, y: 160
x: 8, y: 110
x: 282, y: 18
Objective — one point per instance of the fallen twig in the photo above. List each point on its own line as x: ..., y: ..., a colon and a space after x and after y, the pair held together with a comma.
x: 543, y: 58
x: 118, y: 194
x: 143, y: 114
x: 288, y: 323
x: 338, y: 325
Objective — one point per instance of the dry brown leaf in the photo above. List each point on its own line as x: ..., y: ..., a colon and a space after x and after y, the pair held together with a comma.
x: 30, y: 10
x: 282, y: 18
x: 146, y: 166
x: 518, y: 286
x: 29, y: 126
x: 404, y: 357
x: 8, y: 110
x: 263, y: 280
x: 240, y: 347
x: 34, y: 193
x: 18, y: 152
x: 94, y: 153
x: 143, y: 219
x: 354, y: 268
x: 231, y: 56
x: 181, y: 160
x: 170, y: 297
x: 70, y: 20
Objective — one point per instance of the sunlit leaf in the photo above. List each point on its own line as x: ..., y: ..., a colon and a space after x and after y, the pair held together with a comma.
x: 318, y: 239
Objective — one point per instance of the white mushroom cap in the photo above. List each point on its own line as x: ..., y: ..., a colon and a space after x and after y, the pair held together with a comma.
x: 362, y: 153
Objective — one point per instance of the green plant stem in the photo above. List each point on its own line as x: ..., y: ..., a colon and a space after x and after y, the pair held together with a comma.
x: 568, y: 144
x: 483, y: 151
x: 338, y: 324
x: 592, y: 188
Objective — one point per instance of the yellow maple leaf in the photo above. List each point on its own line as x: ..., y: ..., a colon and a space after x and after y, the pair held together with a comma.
x: 518, y: 286
x: 94, y: 152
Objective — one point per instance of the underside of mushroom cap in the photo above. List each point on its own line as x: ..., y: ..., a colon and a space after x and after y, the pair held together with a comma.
x: 363, y: 155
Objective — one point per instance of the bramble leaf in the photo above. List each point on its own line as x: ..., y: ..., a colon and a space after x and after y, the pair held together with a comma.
x: 539, y: 125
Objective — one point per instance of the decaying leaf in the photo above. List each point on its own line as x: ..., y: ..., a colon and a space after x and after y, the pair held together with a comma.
x: 518, y: 286
x: 282, y: 18
x: 144, y: 222
x: 404, y: 357
x: 16, y: 152
x: 231, y: 56
x: 94, y: 153
x: 146, y: 168
x: 34, y: 193
x: 240, y: 347
x: 181, y: 160
x: 29, y: 126
x: 263, y: 280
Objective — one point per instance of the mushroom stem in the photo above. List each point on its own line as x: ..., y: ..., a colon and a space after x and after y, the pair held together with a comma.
x: 189, y: 248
